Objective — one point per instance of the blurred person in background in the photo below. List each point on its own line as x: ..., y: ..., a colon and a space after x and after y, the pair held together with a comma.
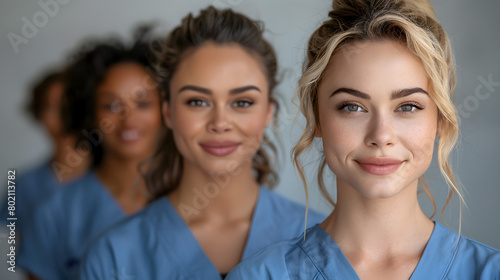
x: 114, y: 105
x: 65, y: 163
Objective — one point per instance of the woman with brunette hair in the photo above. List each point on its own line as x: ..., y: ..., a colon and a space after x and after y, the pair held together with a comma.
x: 210, y: 175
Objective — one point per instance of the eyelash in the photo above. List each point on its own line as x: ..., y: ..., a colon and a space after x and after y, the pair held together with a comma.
x: 412, y: 104
x: 113, y: 107
x: 342, y: 106
x: 345, y: 104
x: 247, y: 103
x: 236, y: 104
x: 196, y: 103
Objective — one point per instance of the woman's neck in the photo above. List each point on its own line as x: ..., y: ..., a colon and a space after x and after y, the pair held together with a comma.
x: 227, y: 196
x: 122, y: 179
x: 380, y: 228
x: 69, y: 163
x: 118, y: 175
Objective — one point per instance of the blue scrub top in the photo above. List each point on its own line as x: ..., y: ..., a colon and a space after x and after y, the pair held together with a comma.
x: 446, y: 256
x: 31, y: 188
x: 63, y: 225
x: 157, y: 243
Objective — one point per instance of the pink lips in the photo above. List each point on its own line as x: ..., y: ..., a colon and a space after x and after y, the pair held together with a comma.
x: 379, y: 166
x: 219, y: 149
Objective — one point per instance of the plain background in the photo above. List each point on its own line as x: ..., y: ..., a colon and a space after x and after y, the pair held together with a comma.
x: 471, y: 25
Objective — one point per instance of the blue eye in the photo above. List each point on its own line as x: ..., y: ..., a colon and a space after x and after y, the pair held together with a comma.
x: 242, y: 104
x: 408, y: 108
x: 351, y: 108
x: 197, y: 103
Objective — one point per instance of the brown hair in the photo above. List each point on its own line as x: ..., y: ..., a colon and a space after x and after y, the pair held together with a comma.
x: 413, y: 24
x: 220, y: 27
x: 37, y: 101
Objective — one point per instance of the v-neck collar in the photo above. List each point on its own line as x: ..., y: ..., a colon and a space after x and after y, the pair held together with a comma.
x: 438, y: 254
x: 261, y: 223
x: 106, y: 194
x: 183, y: 247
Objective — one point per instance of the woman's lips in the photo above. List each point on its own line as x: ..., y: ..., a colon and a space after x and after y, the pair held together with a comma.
x: 379, y: 166
x: 219, y: 149
x: 129, y: 135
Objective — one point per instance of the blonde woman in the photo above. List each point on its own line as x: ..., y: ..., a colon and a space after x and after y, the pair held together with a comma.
x: 376, y: 91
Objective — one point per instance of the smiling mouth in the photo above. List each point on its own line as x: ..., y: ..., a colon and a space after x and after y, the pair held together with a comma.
x: 220, y: 149
x: 379, y: 166
x: 130, y: 135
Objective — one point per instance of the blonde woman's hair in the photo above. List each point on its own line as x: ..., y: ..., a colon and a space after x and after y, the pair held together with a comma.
x: 410, y: 22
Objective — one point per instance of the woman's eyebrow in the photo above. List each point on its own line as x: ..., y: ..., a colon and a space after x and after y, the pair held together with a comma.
x: 195, y: 88
x: 351, y: 91
x: 395, y: 95
x: 207, y: 91
x: 243, y: 89
x: 407, y: 91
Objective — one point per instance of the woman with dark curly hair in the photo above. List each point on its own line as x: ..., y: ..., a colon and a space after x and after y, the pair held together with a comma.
x: 211, y: 173
x: 114, y: 104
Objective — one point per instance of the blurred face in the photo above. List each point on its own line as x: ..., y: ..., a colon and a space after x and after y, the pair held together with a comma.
x: 51, y: 114
x: 128, y: 112
x: 219, y: 108
x: 377, y: 121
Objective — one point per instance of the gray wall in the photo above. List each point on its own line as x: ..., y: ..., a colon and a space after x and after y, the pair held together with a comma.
x: 472, y: 26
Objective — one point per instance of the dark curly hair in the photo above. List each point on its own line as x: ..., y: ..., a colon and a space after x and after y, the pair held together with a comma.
x: 88, y: 70
x: 37, y: 101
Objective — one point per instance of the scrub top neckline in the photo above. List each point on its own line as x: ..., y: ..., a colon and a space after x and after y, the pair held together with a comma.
x: 196, y: 267
x: 102, y: 187
x: 438, y: 254
x: 51, y: 176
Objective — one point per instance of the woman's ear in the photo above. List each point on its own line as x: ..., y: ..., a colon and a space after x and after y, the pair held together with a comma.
x: 165, y: 109
x: 270, y: 111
